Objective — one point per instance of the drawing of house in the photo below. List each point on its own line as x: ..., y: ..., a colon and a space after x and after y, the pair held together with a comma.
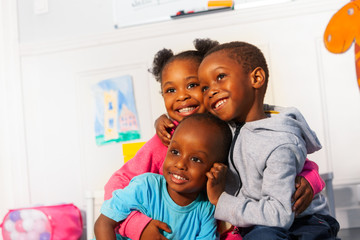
x: 115, y: 111
x: 127, y: 120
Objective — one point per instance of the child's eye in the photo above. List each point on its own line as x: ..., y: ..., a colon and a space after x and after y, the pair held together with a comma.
x: 170, y: 90
x: 220, y: 76
x: 174, y: 152
x: 204, y: 89
x: 192, y: 85
x: 196, y: 159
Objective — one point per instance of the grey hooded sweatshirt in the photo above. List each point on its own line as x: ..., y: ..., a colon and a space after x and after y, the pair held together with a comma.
x: 264, y: 159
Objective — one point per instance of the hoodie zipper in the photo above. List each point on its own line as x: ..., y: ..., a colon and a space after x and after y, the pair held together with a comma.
x: 237, y: 131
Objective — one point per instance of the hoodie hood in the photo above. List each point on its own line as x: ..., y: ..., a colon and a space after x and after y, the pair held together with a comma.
x: 289, y: 120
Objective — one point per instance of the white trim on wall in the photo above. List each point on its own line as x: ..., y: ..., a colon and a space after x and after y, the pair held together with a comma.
x: 325, y: 107
x: 14, y: 184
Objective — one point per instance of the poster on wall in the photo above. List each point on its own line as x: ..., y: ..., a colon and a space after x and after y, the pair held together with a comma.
x: 116, y: 119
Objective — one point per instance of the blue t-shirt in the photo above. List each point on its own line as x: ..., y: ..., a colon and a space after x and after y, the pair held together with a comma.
x: 148, y: 194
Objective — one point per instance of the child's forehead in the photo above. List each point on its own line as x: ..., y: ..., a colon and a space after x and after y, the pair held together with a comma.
x: 198, y: 135
x: 221, y: 56
x: 199, y: 129
x: 191, y: 123
x: 180, y: 64
x: 185, y: 60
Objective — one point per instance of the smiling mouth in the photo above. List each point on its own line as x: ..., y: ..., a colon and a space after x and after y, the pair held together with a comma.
x: 188, y: 110
x: 178, y: 179
x: 219, y: 103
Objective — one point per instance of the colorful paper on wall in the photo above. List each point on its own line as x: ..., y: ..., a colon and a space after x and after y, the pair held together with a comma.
x: 130, y: 149
x: 116, y: 117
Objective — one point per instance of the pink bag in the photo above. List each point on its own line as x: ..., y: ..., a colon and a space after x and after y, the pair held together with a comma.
x: 58, y: 222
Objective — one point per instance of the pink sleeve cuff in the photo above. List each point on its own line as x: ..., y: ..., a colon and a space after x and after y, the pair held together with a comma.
x: 133, y: 226
x: 311, y: 174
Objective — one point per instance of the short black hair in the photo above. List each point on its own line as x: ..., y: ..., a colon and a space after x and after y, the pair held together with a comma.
x: 224, y: 140
x: 166, y: 56
x: 246, y: 54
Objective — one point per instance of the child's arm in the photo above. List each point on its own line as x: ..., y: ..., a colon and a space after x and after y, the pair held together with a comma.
x: 311, y: 173
x: 149, y: 158
x: 153, y: 230
x: 139, y: 226
x: 105, y: 228
x: 216, y: 182
x: 164, y: 126
x: 274, y: 207
x: 307, y: 184
x: 303, y: 195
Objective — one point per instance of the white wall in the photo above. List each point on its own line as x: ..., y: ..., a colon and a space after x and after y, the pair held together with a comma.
x: 60, y: 60
x: 13, y: 150
x: 64, y: 19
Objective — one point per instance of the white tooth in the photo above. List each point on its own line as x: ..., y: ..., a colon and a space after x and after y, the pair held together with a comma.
x: 187, y: 109
x: 219, y: 103
x: 178, y: 177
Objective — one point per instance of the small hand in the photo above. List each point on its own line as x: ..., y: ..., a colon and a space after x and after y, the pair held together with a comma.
x: 163, y: 126
x: 216, y: 182
x: 303, y: 195
x: 152, y: 230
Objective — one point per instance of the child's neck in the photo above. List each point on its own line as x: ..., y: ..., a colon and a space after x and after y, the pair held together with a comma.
x: 260, y: 116
x: 254, y: 114
x: 182, y: 199
x: 256, y: 111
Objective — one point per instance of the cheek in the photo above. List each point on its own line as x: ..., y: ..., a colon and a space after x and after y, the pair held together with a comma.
x: 199, y: 97
x: 166, y: 165
x: 202, y: 181
x: 206, y: 104
x: 168, y: 101
x: 200, y: 177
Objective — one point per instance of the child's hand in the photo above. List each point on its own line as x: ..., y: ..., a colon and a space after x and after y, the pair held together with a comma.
x: 104, y: 228
x: 303, y: 195
x: 152, y: 230
x: 163, y: 126
x: 216, y: 182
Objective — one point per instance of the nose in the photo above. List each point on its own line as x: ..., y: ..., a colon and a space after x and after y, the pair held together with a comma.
x: 182, y: 96
x: 181, y: 164
x: 212, y: 92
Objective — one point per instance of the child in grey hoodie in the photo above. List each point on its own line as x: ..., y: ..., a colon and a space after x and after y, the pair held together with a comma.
x: 269, y: 149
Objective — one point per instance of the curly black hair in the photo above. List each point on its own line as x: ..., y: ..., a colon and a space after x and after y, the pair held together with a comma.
x: 166, y: 56
x: 246, y: 54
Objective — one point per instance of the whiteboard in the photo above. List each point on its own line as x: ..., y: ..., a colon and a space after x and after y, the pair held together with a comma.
x: 135, y: 12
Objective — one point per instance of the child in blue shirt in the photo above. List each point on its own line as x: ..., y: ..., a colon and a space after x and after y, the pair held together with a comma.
x: 200, y: 142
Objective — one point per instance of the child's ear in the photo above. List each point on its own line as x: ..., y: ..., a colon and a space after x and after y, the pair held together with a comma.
x: 257, y: 77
